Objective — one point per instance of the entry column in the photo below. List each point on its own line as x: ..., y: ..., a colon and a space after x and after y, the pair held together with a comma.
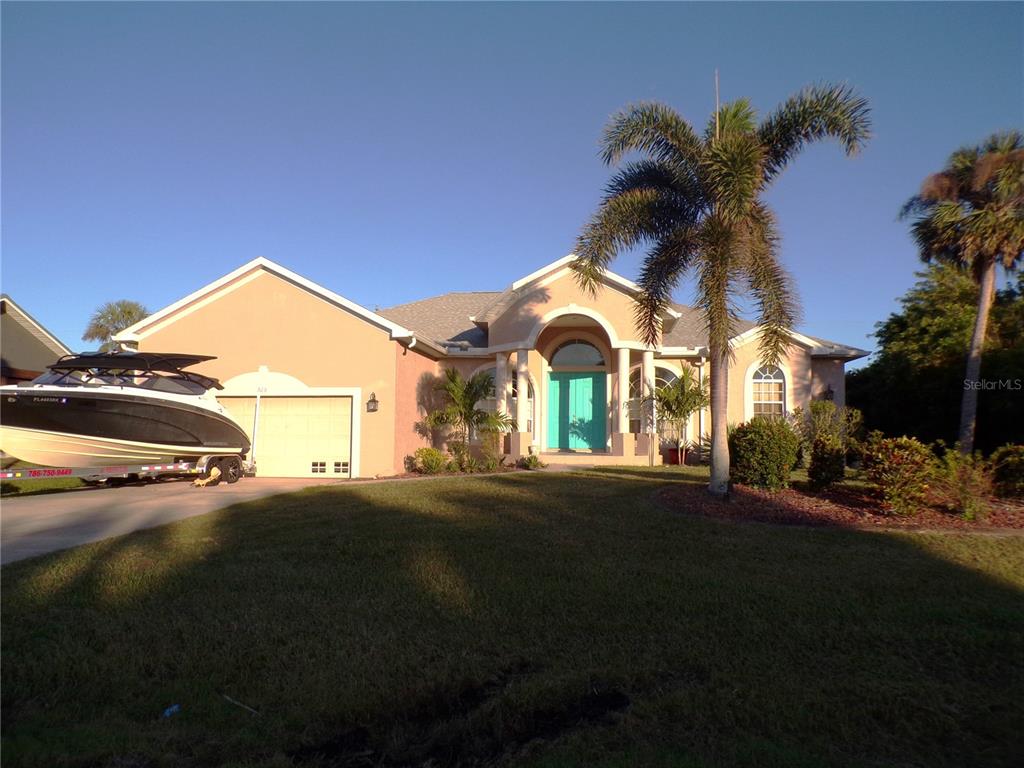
x: 623, y: 443
x: 501, y: 383
x: 522, y: 438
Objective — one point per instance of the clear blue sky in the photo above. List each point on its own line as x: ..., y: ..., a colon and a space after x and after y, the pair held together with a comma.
x: 392, y: 152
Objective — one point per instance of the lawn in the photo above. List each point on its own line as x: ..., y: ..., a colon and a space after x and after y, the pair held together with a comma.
x: 533, y: 619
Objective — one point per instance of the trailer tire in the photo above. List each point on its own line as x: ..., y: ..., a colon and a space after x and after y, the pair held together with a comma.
x: 231, y: 469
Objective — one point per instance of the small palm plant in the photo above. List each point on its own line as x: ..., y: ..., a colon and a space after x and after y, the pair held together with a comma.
x: 675, y: 404
x: 461, y: 413
x: 110, y: 319
x: 971, y: 214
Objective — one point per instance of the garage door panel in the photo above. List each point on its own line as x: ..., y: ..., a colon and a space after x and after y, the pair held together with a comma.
x: 300, y: 436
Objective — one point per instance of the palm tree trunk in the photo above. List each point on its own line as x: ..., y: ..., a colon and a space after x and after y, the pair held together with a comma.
x: 969, y: 403
x: 719, y: 485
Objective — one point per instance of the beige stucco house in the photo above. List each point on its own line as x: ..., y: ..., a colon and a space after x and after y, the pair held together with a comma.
x: 328, y: 387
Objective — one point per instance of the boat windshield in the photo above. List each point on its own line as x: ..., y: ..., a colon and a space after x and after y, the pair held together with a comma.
x: 170, y: 383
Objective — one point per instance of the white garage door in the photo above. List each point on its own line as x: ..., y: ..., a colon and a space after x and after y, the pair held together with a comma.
x: 297, y: 436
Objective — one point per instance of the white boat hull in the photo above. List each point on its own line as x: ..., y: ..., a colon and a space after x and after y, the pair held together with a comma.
x: 55, y: 449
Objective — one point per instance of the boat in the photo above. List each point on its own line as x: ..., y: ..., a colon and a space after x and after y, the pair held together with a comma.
x: 98, y: 409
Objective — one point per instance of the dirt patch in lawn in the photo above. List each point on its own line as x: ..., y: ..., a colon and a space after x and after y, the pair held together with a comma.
x: 840, y: 507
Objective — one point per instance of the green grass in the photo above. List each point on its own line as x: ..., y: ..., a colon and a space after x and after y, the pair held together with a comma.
x: 494, y: 620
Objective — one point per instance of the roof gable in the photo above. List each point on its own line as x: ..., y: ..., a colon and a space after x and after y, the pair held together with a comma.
x: 238, y: 277
x: 26, y: 344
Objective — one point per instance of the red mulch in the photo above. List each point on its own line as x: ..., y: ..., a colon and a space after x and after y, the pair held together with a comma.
x: 840, y: 507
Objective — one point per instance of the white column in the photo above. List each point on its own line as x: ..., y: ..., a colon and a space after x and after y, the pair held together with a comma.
x: 523, y: 388
x: 621, y: 405
x: 647, y: 381
x: 501, y: 383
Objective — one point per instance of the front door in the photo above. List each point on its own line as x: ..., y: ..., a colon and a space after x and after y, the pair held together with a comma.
x: 576, y: 411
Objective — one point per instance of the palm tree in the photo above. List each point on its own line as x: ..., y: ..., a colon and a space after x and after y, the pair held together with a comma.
x: 675, y: 403
x: 110, y: 319
x: 971, y: 213
x: 695, y: 200
x: 461, y: 412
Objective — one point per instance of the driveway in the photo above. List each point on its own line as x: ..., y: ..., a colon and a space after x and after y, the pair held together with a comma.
x: 35, y: 525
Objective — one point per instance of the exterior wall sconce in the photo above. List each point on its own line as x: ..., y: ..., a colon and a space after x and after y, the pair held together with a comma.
x: 372, y: 403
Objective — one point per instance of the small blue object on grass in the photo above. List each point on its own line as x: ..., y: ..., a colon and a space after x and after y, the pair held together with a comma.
x: 172, y: 710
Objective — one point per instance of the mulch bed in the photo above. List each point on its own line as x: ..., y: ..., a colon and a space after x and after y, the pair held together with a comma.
x: 839, y: 507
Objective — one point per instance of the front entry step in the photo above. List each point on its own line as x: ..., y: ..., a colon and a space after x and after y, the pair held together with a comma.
x: 595, y: 459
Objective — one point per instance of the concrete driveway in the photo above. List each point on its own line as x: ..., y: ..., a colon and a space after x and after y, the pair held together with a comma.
x: 35, y: 525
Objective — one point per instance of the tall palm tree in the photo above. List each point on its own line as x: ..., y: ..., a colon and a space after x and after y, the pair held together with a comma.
x: 971, y: 213
x: 461, y: 411
x: 110, y: 319
x: 695, y: 201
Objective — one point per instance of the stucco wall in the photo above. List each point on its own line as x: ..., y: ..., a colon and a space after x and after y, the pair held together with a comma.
x: 517, y: 322
x: 829, y: 372
x: 415, y: 378
x: 797, y: 368
x: 266, y: 320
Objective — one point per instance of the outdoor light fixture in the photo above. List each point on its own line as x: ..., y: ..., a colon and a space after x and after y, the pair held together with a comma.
x: 371, y: 404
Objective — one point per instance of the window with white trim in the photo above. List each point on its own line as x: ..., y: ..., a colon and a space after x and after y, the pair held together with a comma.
x: 769, y: 391
x: 662, y: 377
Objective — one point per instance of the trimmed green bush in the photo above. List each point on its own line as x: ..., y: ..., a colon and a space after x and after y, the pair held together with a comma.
x: 763, y: 452
x: 963, y: 483
x: 1008, y: 470
x: 900, y: 468
x: 429, y: 461
x: 828, y: 463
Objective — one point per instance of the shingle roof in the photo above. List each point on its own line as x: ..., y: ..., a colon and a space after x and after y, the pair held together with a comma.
x: 445, y: 317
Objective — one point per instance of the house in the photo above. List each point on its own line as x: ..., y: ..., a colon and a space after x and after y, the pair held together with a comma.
x: 26, y: 347
x: 327, y: 387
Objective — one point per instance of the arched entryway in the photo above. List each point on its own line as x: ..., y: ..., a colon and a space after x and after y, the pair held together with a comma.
x: 577, y: 398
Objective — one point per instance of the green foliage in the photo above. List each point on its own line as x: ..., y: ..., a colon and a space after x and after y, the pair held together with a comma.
x: 429, y: 461
x: 531, y: 461
x: 490, y: 447
x: 460, y: 409
x: 900, y: 468
x: 763, y: 452
x: 963, y: 482
x: 676, y: 403
x: 110, y: 319
x: 1008, y: 470
x: 915, y: 383
x: 828, y: 462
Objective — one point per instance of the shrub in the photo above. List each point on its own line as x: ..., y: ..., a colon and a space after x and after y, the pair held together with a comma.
x: 828, y: 463
x: 490, y: 448
x: 429, y: 461
x: 963, y: 482
x: 763, y: 452
x: 1008, y: 470
x: 900, y: 468
x: 531, y: 462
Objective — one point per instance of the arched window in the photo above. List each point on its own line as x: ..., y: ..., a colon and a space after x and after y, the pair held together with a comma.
x: 769, y: 391
x: 577, y: 353
x: 662, y: 377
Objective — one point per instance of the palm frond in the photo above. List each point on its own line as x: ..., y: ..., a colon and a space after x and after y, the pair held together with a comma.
x: 663, y: 267
x: 770, y: 285
x: 653, y: 129
x: 621, y: 222
x: 824, y: 111
x: 715, y: 272
x: 736, y: 117
x: 733, y: 170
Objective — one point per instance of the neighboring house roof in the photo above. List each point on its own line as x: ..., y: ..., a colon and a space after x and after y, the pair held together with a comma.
x: 396, y: 331
x: 25, y: 345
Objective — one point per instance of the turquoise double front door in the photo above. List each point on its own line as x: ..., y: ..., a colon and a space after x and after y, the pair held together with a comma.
x: 577, y: 408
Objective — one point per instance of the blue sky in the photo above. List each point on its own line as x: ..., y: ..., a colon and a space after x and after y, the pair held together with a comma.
x: 392, y: 152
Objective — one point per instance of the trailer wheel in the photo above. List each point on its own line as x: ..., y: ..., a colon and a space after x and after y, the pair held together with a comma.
x: 231, y: 468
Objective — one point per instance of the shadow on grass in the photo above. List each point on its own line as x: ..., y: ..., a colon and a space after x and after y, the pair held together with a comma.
x: 530, y: 618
